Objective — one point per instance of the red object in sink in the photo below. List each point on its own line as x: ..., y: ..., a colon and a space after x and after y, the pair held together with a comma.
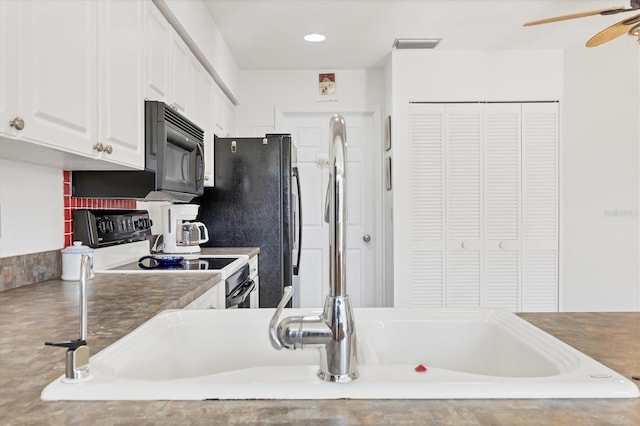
x: 420, y: 369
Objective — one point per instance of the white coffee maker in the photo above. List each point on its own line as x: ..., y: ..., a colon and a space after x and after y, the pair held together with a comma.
x: 180, y: 234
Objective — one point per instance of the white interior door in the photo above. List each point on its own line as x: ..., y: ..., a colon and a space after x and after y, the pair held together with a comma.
x: 311, y: 135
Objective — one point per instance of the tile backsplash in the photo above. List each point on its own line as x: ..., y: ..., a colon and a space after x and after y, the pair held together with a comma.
x: 73, y: 203
x: 18, y: 271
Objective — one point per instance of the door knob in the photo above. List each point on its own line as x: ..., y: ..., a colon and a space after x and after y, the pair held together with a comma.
x: 17, y: 123
x: 366, y: 238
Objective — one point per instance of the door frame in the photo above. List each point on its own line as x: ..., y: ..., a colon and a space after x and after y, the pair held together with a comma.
x: 378, y: 188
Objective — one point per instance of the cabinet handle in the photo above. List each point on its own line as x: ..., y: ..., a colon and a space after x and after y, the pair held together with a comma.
x: 464, y: 245
x: 17, y: 123
x: 98, y: 147
x: 502, y: 245
x: 108, y: 149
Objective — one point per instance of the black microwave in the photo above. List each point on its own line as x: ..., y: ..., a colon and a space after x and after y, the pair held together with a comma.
x: 174, y: 149
x: 174, y: 163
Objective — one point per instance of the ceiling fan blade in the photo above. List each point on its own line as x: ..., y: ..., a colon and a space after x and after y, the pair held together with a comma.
x: 608, y: 11
x: 615, y: 30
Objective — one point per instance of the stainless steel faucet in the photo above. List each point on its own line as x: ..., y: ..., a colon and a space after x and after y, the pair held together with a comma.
x: 77, y: 356
x: 334, y: 330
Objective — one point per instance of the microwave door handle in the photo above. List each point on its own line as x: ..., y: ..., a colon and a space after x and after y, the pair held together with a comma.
x: 185, y: 167
x: 296, y: 175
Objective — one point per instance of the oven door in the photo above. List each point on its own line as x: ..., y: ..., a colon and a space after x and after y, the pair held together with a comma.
x: 239, y: 297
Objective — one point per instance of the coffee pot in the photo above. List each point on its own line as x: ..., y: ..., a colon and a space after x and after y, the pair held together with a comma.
x: 192, y: 233
x: 180, y: 234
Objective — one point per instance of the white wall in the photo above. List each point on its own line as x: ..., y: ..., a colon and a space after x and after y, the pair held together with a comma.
x: 261, y: 92
x: 31, y: 208
x: 600, y: 175
x: 447, y: 76
x: 599, y: 93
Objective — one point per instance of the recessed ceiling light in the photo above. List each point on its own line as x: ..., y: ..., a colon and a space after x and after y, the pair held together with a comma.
x: 315, y: 38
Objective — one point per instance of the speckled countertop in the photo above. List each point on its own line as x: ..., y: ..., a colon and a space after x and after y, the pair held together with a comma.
x: 118, y: 303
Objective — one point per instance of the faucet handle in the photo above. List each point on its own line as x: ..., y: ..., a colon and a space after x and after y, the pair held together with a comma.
x: 276, y: 341
x: 71, y: 344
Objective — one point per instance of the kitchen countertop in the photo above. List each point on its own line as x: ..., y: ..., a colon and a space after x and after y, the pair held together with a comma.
x: 118, y: 303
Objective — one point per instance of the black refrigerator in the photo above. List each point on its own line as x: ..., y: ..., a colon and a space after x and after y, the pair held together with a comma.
x: 255, y: 202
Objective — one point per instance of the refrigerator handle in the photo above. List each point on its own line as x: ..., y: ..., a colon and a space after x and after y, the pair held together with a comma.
x: 295, y: 174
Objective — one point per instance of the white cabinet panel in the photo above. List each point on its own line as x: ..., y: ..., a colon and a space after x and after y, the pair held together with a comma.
x: 120, y: 81
x: 55, y: 76
x: 157, y: 46
x: 463, y: 171
x: 502, y: 171
x: 427, y: 278
x: 502, y: 279
x: 427, y: 153
x: 463, y: 277
x: 180, y: 74
x: 540, y: 283
x: 540, y: 171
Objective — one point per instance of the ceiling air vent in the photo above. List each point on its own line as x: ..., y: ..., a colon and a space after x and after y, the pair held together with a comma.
x: 416, y: 43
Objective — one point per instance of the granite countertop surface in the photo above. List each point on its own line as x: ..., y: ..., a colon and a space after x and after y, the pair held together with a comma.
x: 118, y: 303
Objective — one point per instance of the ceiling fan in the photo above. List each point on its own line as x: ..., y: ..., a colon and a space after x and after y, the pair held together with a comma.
x: 628, y: 25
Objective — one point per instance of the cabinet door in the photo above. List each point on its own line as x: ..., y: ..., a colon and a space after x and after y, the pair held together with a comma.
x: 9, y: 11
x: 502, y: 201
x: 463, y: 142
x: 427, y: 135
x: 540, y: 206
x: 180, y: 74
x: 56, y: 68
x: 220, y: 112
x: 120, y: 81
x: 202, y: 114
x: 157, y: 44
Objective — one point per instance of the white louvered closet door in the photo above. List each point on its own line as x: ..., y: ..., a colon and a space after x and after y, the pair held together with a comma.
x: 484, y: 205
x: 427, y: 204
x: 540, y: 207
x: 463, y: 142
x: 502, y: 206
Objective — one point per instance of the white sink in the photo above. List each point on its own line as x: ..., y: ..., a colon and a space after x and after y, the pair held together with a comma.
x: 226, y: 354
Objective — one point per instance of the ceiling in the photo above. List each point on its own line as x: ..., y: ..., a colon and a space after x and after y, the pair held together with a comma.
x: 267, y: 34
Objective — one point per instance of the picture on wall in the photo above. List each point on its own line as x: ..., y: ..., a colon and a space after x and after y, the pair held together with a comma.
x: 327, y: 84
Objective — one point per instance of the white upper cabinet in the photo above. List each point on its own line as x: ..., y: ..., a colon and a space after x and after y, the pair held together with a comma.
x: 203, y: 89
x: 74, y: 76
x: 157, y: 46
x: 50, y: 81
x: 120, y: 82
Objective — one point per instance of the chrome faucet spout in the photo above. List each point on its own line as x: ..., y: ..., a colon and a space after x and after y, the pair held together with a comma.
x: 337, y: 206
x: 333, y: 330
x: 77, y: 356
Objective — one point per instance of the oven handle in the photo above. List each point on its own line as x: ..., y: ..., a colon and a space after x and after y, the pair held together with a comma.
x: 240, y: 293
